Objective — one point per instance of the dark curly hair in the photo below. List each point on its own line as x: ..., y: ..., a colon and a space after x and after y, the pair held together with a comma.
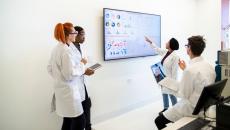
x: 78, y: 28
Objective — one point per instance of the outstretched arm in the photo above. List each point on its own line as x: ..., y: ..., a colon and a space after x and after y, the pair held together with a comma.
x: 155, y: 47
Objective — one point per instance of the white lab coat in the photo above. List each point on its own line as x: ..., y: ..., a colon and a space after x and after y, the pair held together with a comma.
x: 67, y: 71
x: 195, y: 77
x: 170, y: 64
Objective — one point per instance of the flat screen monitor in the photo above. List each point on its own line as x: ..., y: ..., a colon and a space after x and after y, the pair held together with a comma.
x: 124, y: 33
x: 210, y: 96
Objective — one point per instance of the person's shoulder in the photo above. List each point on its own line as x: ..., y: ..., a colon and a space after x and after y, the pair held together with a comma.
x: 200, y: 66
x: 64, y: 49
x: 204, y: 63
x: 175, y: 55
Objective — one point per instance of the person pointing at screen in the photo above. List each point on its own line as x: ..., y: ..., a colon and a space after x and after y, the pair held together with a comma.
x: 169, y: 62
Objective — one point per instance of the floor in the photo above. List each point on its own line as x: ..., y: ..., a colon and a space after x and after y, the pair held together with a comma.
x: 139, y: 119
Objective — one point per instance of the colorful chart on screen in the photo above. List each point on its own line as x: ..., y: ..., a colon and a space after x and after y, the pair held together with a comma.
x: 124, y: 33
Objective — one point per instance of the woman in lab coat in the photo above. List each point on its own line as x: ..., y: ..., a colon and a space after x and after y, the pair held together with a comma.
x: 195, y: 77
x: 66, y: 68
x: 170, y: 62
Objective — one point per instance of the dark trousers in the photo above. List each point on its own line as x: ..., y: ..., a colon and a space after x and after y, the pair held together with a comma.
x: 161, y: 121
x: 74, y: 123
x: 81, y: 122
x: 86, y: 107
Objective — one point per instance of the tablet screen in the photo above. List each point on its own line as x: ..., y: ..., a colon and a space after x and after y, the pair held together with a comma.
x: 158, y: 71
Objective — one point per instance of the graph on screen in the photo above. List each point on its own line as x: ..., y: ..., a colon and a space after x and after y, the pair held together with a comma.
x: 124, y: 33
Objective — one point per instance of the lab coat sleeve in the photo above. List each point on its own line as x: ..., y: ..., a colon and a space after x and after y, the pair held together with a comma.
x: 186, y: 85
x: 49, y: 67
x: 81, y: 68
x: 70, y: 68
x: 158, y: 50
x: 175, y: 67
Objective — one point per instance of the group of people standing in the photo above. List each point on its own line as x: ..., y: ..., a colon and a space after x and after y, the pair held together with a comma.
x: 198, y: 74
x: 67, y: 66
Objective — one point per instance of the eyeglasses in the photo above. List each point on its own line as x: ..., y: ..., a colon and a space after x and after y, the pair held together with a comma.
x: 76, y: 32
x: 187, y: 45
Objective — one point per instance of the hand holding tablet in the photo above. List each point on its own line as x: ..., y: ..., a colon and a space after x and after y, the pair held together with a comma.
x: 95, y: 66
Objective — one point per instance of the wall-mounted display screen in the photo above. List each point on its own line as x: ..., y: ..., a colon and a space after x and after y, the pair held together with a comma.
x: 125, y: 31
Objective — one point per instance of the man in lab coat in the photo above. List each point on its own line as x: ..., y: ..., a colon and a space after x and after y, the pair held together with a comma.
x: 195, y: 77
x: 86, y: 103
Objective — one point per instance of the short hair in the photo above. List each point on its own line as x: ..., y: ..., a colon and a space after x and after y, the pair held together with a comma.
x: 78, y: 28
x: 173, y: 44
x: 196, y: 44
x: 62, y: 31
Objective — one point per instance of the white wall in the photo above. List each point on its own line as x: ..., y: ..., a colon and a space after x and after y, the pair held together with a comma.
x: 225, y: 22
x: 208, y: 24
x: 27, y: 39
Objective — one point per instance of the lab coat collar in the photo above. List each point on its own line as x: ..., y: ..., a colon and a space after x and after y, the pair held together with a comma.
x: 71, y: 45
x: 62, y: 44
x: 196, y: 59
